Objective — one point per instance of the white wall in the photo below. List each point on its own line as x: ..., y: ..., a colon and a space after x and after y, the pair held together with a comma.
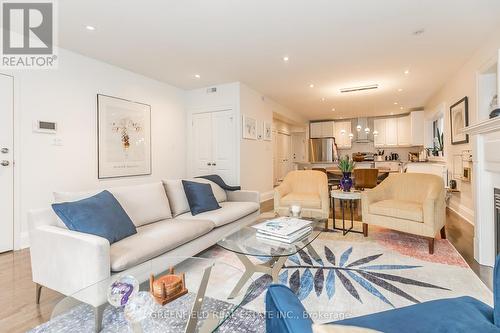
x: 67, y: 95
x: 461, y: 84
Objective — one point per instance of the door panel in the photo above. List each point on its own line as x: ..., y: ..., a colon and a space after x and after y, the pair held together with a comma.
x: 284, y: 152
x: 6, y: 164
x: 202, y: 144
x: 224, y: 145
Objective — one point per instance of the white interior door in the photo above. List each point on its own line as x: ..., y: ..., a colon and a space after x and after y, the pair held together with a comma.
x: 284, y: 143
x: 202, y: 144
x: 224, y: 145
x: 6, y: 163
x: 299, y: 147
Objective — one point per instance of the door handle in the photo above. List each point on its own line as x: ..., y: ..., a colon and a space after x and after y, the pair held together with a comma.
x: 4, y: 150
x: 214, y: 164
x: 5, y: 163
x: 209, y: 164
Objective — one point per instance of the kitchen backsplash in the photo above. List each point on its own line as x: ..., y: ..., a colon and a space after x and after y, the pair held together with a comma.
x: 370, y: 148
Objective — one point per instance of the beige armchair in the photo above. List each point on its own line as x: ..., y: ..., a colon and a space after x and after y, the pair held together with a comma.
x: 407, y: 202
x: 308, y: 188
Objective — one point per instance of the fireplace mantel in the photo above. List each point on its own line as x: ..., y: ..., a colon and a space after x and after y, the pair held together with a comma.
x: 484, y: 127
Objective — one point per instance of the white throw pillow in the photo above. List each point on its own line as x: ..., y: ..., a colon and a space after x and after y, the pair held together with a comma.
x: 177, y: 197
x: 144, y: 204
x: 341, y: 329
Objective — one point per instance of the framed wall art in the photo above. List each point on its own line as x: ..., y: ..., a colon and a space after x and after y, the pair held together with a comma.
x: 124, y: 137
x: 268, y: 131
x: 459, y: 118
x: 249, y: 128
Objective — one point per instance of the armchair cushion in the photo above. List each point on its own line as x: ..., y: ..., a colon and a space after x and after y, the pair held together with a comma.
x: 397, y: 208
x: 306, y: 200
x: 99, y: 215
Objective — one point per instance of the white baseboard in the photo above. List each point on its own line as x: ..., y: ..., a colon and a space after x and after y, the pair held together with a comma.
x: 265, y: 196
x: 464, y: 212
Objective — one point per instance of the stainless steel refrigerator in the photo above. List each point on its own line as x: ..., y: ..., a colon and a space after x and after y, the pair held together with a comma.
x: 323, y: 150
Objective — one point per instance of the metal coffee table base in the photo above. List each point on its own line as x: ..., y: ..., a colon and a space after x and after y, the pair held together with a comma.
x: 272, y: 267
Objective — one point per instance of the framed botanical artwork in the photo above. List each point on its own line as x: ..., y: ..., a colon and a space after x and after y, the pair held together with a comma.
x: 268, y: 131
x: 124, y: 137
x: 459, y: 118
x: 249, y: 128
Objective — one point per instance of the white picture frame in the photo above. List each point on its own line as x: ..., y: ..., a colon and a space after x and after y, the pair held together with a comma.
x: 268, y: 131
x: 124, y: 137
x: 249, y: 128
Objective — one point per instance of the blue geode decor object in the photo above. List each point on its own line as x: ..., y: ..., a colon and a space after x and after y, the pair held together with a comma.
x: 122, y: 290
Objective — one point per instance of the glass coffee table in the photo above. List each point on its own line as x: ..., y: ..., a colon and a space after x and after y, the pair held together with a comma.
x: 245, y: 244
x: 204, y: 308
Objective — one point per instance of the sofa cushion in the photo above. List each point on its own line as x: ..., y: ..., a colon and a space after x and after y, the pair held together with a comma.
x: 406, y: 210
x: 200, y: 197
x: 99, y: 215
x: 306, y: 200
x: 155, y: 239
x: 144, y: 203
x: 177, y: 197
x: 229, y: 212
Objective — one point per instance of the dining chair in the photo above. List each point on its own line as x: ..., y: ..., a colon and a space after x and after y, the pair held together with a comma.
x: 365, y: 178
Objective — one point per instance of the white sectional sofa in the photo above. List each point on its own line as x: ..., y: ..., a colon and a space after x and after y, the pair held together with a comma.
x: 67, y: 261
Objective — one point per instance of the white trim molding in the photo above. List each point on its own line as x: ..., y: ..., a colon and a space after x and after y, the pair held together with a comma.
x: 483, y: 127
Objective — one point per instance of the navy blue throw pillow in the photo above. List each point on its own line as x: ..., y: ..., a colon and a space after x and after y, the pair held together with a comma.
x: 200, y: 197
x: 100, y: 215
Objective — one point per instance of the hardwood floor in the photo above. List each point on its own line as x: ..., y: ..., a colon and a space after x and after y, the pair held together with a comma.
x: 18, y: 311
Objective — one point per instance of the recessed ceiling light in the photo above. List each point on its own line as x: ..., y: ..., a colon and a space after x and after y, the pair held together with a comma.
x: 89, y: 27
x: 418, y: 32
x: 392, y: 113
x: 401, y: 107
x: 407, y: 72
x: 333, y: 109
x: 311, y: 85
x: 395, y: 103
x: 285, y: 58
x: 323, y: 99
x: 400, y: 89
x: 197, y: 76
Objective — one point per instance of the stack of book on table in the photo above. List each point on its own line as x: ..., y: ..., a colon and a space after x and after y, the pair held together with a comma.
x: 284, y: 229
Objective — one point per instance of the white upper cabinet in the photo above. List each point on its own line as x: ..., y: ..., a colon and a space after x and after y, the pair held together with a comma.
x: 379, y: 126
x: 342, y: 131
x: 391, y: 132
x: 417, y: 128
x: 404, y: 131
x: 315, y: 130
x: 322, y: 129
x: 328, y: 129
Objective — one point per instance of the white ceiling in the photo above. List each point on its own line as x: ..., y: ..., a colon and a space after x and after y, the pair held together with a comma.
x: 332, y: 44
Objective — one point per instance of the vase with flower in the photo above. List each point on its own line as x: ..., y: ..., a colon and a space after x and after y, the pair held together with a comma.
x: 346, y: 165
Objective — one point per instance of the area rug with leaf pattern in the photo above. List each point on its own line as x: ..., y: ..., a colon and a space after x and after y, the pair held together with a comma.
x: 357, y: 275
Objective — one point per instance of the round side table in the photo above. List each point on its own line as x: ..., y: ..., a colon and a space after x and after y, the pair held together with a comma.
x: 345, y: 197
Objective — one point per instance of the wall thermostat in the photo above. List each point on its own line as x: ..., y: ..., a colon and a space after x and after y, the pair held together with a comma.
x: 48, y: 127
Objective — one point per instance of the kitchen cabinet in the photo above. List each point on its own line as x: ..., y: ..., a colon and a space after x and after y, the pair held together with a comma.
x: 379, y: 127
x: 404, y: 131
x: 322, y: 129
x: 391, y: 132
x: 417, y: 128
x: 342, y: 131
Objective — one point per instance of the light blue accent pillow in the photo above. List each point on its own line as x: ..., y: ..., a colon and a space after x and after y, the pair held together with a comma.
x: 100, y: 215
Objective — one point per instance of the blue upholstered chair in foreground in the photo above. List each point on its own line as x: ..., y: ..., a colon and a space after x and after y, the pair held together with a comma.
x: 285, y: 314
